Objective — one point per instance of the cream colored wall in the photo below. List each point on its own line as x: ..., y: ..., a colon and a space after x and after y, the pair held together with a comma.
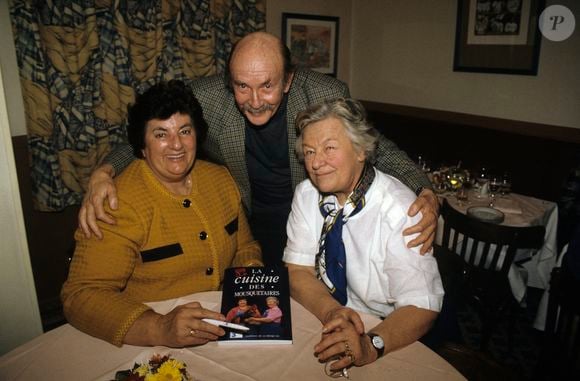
x: 11, y: 77
x: 402, y: 53
x: 19, y: 315
x: 338, y: 8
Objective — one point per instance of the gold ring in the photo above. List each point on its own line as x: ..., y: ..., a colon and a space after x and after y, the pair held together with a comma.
x: 192, y: 332
x: 348, y: 352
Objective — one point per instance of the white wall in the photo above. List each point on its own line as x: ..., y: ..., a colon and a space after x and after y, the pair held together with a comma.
x: 9, y: 65
x: 402, y: 53
x: 19, y: 314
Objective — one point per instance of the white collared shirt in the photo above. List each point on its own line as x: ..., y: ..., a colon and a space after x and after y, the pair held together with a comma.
x: 382, y: 273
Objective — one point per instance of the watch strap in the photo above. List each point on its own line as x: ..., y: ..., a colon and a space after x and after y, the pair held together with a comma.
x: 380, y: 350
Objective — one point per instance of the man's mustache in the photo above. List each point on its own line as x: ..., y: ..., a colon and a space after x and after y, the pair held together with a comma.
x: 259, y: 110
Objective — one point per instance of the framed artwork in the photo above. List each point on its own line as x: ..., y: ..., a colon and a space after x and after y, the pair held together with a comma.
x: 313, y: 41
x: 499, y: 36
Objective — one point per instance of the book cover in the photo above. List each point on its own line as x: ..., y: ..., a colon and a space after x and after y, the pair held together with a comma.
x: 259, y: 299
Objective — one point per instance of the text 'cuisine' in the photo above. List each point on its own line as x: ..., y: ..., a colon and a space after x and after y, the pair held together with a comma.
x: 257, y: 279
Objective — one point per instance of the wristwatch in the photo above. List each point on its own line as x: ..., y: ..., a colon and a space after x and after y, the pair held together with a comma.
x: 377, y: 343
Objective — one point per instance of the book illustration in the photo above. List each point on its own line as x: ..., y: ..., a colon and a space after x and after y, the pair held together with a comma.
x: 257, y: 298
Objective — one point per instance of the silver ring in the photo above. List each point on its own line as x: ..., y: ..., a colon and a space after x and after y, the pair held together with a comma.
x: 192, y: 332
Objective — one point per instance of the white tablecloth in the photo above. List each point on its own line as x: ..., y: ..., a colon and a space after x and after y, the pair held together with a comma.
x: 532, y: 267
x: 68, y: 354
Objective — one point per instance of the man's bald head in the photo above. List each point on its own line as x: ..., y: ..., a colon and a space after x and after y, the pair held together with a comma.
x: 257, y: 43
x: 260, y: 73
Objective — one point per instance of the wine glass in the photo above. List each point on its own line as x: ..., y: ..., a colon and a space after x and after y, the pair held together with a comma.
x: 461, y: 195
x: 469, y: 180
x: 420, y: 161
x: 482, y: 179
x: 423, y: 164
x: 494, y: 186
x: 455, y: 181
x: 506, y: 184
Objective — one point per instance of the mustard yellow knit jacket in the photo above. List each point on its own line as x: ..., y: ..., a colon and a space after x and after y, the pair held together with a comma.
x: 163, y: 246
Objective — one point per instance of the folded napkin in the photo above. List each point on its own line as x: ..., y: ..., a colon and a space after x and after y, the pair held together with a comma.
x: 507, y: 206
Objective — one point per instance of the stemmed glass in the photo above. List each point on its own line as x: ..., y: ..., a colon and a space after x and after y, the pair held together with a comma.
x: 457, y: 185
x: 494, y: 187
x: 422, y: 163
x: 506, y: 184
x: 462, y: 196
x: 482, y: 179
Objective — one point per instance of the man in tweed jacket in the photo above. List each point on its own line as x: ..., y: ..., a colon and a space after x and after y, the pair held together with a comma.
x: 260, y: 84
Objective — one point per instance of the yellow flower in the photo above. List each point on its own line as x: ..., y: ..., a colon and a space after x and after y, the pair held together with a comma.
x: 142, y: 370
x: 152, y: 377
x: 175, y: 364
x: 169, y: 371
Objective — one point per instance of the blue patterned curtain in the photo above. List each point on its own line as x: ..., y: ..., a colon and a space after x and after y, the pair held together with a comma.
x: 81, y: 60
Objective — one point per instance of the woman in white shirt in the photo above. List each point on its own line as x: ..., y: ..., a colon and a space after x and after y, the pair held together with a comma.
x: 345, y: 251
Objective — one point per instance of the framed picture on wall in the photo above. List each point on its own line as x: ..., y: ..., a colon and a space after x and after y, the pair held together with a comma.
x: 499, y: 36
x: 313, y: 41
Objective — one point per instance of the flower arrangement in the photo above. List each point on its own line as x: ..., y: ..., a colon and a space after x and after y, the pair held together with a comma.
x: 158, y: 368
x: 450, y: 179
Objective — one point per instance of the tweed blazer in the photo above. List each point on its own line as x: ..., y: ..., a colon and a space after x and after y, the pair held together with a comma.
x: 225, y: 143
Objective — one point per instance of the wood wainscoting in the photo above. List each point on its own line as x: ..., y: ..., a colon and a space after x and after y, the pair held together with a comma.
x: 538, y: 157
x: 50, y: 241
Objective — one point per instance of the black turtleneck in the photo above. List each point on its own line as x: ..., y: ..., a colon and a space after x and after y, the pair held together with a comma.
x: 268, y: 164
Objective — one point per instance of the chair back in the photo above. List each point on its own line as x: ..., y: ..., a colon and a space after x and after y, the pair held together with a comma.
x: 488, y: 250
x: 485, y: 245
x: 560, y: 356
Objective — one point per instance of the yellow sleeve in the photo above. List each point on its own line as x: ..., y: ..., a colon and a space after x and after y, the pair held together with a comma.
x: 92, y: 297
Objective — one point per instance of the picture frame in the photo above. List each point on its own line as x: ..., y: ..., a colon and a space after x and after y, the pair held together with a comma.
x: 500, y: 36
x: 312, y: 40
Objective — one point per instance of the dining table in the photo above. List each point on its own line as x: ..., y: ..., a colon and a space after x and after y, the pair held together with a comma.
x: 66, y: 353
x: 531, y: 268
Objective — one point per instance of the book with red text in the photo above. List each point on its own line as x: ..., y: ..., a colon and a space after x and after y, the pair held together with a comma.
x: 257, y: 298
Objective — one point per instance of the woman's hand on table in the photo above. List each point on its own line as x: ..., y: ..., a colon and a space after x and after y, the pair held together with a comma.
x: 343, y: 338
x: 179, y: 328
x: 428, y: 204
x: 183, y: 326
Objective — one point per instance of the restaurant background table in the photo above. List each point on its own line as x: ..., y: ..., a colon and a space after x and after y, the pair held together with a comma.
x: 531, y: 268
x: 66, y: 353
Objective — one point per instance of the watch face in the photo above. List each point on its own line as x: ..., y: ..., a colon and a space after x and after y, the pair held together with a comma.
x: 378, y: 342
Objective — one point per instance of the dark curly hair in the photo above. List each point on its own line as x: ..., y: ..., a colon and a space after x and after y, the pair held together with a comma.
x: 161, y: 101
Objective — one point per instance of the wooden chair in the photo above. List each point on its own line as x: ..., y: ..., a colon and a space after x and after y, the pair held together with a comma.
x: 560, y: 355
x: 488, y: 251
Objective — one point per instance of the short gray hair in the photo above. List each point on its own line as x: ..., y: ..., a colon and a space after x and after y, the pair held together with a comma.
x: 351, y: 114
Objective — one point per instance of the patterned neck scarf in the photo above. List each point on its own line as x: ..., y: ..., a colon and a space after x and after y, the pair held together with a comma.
x: 331, y: 258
